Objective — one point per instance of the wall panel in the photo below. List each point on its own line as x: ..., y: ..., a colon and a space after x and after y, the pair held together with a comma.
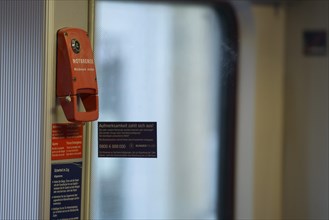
x: 21, y: 75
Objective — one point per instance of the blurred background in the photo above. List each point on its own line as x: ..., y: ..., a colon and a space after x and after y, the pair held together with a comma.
x: 164, y: 62
x: 153, y: 65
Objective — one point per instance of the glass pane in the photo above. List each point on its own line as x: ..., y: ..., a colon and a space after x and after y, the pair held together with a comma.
x: 159, y: 62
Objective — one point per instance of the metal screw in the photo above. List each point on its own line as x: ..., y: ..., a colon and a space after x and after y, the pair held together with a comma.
x: 74, y: 79
x: 95, y: 78
x: 68, y: 98
x: 65, y: 34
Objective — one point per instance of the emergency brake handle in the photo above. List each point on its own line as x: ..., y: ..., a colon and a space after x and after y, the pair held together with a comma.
x: 76, y: 75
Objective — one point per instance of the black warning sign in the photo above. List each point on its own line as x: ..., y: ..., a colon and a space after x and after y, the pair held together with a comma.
x: 65, y: 199
x: 127, y: 139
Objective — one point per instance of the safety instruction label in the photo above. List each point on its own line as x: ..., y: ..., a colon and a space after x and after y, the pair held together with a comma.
x: 66, y: 141
x: 65, y: 200
x: 127, y: 139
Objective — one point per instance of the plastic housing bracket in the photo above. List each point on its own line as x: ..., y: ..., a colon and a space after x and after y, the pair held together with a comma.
x: 76, y: 75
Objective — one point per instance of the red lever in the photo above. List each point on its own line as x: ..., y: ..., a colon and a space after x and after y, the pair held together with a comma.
x: 76, y: 75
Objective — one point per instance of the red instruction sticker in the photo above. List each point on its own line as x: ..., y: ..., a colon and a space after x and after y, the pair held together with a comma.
x: 66, y: 141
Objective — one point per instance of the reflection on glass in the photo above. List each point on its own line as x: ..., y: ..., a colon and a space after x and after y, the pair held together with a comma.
x: 158, y: 62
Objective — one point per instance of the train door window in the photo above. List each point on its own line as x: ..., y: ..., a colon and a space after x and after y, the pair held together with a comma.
x: 159, y: 62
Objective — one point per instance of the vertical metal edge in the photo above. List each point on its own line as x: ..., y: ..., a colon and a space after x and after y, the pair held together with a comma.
x: 48, y: 100
x: 51, y: 113
x: 87, y: 144
x: 88, y: 130
x: 91, y: 21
